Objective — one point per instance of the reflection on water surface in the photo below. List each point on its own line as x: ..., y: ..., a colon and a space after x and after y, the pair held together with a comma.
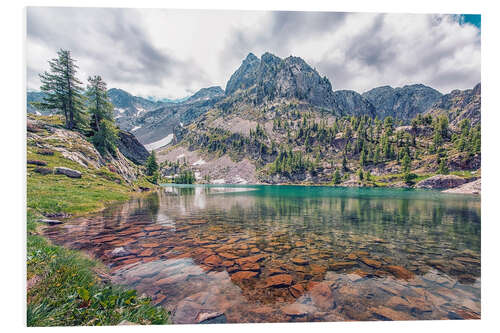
x: 289, y: 253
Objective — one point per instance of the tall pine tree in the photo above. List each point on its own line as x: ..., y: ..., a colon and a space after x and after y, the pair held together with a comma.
x: 99, y: 106
x: 104, y: 131
x: 63, y: 89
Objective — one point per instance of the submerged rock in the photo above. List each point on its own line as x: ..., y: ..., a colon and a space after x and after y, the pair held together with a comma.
x: 297, y: 309
x: 243, y: 275
x: 280, y: 280
x: 371, y: 262
x: 385, y: 313
x: 341, y: 265
x: 400, y: 272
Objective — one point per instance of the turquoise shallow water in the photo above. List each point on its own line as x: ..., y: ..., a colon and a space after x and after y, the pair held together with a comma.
x: 256, y: 253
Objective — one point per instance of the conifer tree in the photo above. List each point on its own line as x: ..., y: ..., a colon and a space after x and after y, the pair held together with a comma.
x: 362, y: 158
x: 105, y: 139
x: 344, y: 164
x: 443, y: 167
x: 406, y: 163
x: 99, y: 106
x: 151, y: 164
x: 336, y: 177
x: 360, y: 174
x: 64, y: 92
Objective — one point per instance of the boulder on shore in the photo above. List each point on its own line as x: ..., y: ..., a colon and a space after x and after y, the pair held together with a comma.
x: 68, y: 172
x: 441, y: 182
x: 468, y: 188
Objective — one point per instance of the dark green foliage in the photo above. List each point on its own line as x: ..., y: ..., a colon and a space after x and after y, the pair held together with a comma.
x: 289, y: 162
x: 186, y: 177
x: 336, y: 177
x: 362, y: 158
x: 151, y: 164
x: 388, y: 125
x: 105, y: 138
x: 64, y: 92
x: 443, y: 167
x: 99, y: 106
x: 406, y: 163
x: 104, y: 132
x: 360, y: 174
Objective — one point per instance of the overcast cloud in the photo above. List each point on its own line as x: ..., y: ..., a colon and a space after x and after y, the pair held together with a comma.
x: 173, y: 53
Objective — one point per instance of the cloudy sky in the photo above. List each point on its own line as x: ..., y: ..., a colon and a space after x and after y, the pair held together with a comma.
x: 173, y: 53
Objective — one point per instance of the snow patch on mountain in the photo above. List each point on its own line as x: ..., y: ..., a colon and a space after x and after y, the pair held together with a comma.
x: 160, y: 143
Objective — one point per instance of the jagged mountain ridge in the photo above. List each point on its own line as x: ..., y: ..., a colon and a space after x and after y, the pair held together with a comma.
x: 459, y: 105
x: 272, y: 78
x: 267, y: 83
x: 402, y: 103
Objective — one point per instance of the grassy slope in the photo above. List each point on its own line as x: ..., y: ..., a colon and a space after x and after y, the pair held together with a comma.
x: 63, y: 288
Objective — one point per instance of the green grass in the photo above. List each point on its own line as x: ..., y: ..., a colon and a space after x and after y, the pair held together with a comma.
x: 68, y: 292
x: 58, y: 193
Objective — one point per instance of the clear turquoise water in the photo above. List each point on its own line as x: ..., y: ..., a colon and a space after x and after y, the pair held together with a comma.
x: 187, y: 248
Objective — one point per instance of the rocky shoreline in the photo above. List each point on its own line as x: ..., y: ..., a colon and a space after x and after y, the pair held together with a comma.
x: 445, y: 183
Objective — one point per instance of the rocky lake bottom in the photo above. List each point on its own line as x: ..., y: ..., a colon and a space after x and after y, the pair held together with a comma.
x: 238, y: 254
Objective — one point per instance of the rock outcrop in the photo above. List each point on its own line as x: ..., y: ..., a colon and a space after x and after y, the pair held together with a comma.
x: 441, y: 182
x: 74, y: 146
x: 402, y: 103
x: 351, y: 103
x: 71, y: 173
x: 131, y: 148
x: 473, y: 187
x: 459, y: 105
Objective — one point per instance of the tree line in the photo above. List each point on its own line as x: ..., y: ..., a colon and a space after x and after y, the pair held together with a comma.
x: 87, y: 110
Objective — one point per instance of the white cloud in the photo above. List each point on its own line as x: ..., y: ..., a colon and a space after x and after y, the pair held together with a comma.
x: 172, y: 53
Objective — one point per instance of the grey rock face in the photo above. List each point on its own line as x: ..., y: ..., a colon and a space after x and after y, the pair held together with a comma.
x: 163, y: 121
x: 128, y: 107
x: 68, y: 172
x: 351, y: 103
x: 272, y: 77
x: 402, y: 103
x: 131, y: 148
x: 245, y: 76
x: 441, y: 182
x: 466, y: 102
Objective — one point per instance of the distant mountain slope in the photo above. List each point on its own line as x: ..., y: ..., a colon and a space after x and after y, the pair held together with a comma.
x: 459, y: 105
x: 157, y: 125
x: 402, y: 103
x: 35, y: 96
x: 129, y: 107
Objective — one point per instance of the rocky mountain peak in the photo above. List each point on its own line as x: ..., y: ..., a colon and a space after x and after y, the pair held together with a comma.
x: 245, y: 76
x: 273, y: 77
x: 206, y: 94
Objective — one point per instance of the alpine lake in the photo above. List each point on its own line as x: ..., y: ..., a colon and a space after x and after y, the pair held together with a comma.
x: 257, y: 253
